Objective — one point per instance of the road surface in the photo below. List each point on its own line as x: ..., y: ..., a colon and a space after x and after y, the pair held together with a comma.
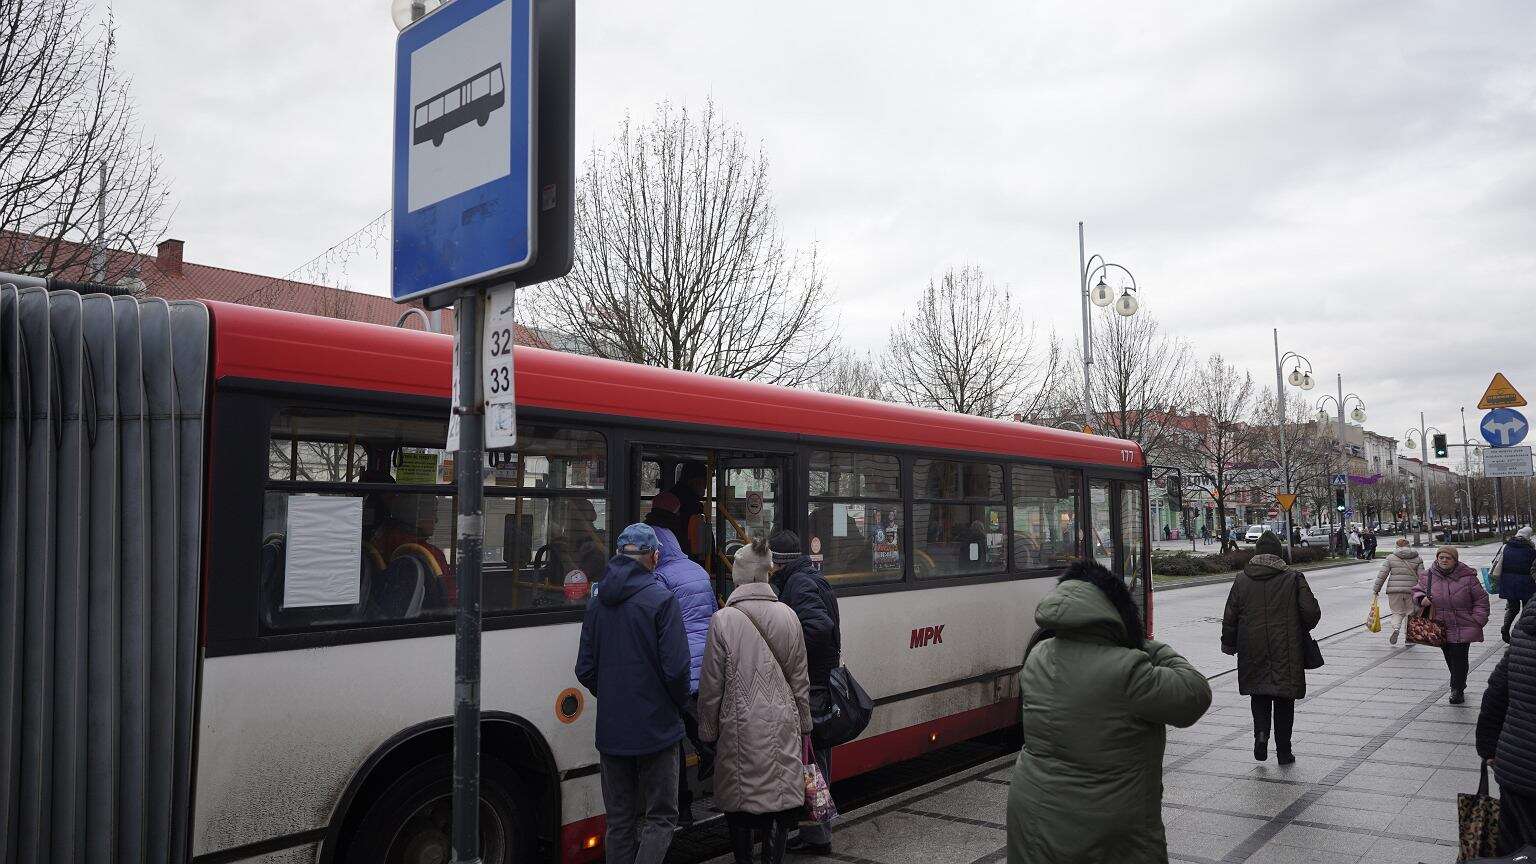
x: 1189, y: 619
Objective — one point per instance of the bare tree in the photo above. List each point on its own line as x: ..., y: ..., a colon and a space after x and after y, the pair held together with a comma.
x: 853, y: 374
x: 75, y: 171
x: 1138, y: 379
x: 1302, y: 459
x: 679, y: 261
x: 1213, y: 444
x: 965, y: 348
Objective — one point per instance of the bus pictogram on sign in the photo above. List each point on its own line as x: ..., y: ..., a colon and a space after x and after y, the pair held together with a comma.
x: 474, y: 98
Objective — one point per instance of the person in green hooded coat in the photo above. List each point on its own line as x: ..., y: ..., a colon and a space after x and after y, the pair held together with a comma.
x: 1097, y: 700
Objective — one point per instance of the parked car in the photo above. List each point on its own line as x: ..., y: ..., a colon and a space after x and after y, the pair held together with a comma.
x: 1254, y: 533
x: 1317, y: 535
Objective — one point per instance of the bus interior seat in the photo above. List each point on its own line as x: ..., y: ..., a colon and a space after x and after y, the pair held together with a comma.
x: 399, y: 591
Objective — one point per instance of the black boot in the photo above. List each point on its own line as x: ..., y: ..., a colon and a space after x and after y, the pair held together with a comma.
x: 741, y: 845
x: 1457, y: 697
x: 774, y: 841
x: 1283, y: 753
x: 1261, y: 746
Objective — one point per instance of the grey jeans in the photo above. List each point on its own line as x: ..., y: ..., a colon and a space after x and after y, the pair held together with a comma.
x: 640, y: 795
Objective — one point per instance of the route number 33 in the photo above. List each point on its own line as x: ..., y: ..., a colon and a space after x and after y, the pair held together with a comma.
x: 499, y: 379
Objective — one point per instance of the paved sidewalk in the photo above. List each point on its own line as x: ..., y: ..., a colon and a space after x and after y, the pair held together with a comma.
x: 1381, y: 757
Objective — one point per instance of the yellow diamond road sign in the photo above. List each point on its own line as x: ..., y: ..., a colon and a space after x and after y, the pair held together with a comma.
x: 1501, y: 394
x: 1285, y: 500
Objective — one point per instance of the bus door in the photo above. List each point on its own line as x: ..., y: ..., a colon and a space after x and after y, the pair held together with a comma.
x: 729, y: 497
x: 1116, y: 538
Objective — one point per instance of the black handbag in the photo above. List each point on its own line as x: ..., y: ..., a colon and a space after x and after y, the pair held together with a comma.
x: 840, y: 711
x: 1311, y: 655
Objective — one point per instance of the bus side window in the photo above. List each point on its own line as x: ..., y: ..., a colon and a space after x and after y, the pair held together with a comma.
x: 856, y: 517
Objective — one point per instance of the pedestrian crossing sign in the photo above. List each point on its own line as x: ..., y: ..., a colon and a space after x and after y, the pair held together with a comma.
x: 1501, y: 394
x: 1286, y: 499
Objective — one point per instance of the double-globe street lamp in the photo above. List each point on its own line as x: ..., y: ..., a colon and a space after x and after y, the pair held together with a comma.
x: 1304, y: 381
x: 1101, y: 295
x: 1357, y: 415
x: 1428, y: 521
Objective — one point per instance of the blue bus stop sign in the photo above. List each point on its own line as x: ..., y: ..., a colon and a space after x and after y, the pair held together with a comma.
x: 1504, y: 427
x: 463, y: 189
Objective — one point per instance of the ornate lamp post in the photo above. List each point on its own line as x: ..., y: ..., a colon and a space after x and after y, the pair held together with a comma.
x: 1357, y: 415
x: 1304, y: 381
x: 1101, y: 295
x: 1423, y: 445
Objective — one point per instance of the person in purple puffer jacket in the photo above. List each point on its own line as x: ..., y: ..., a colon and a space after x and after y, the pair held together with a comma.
x: 1455, y: 593
x: 695, y: 594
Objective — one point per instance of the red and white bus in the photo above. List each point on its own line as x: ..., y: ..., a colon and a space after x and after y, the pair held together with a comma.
x: 323, y: 679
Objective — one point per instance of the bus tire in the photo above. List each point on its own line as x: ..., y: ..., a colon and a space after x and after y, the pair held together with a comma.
x: 437, y: 140
x: 411, y: 821
x: 483, y: 119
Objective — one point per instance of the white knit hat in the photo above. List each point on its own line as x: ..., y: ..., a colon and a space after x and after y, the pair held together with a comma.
x: 753, y: 563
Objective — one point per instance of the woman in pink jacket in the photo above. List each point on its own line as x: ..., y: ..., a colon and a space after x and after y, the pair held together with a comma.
x: 1455, y: 593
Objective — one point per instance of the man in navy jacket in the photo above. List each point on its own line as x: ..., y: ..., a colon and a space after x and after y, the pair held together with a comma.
x: 634, y: 660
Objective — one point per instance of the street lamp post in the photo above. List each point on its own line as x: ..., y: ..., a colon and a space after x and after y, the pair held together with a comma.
x: 1101, y: 295
x: 1358, y: 415
x: 1304, y: 381
x: 1429, y: 509
x: 1466, y: 474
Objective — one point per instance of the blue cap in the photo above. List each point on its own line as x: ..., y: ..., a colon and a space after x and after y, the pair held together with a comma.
x: 638, y: 539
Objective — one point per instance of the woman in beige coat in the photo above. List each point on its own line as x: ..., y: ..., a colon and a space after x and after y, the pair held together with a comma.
x: 1399, y: 573
x: 754, y: 703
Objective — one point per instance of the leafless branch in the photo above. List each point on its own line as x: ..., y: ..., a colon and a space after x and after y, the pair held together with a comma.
x: 853, y: 374
x: 1138, y: 380
x: 1213, y: 442
x: 965, y: 348
x: 75, y: 169
x: 679, y: 261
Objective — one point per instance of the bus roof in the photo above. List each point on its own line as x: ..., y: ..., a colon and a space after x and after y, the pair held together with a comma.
x: 267, y: 344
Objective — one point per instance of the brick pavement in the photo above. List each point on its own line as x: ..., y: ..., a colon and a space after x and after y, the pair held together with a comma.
x: 1380, y: 756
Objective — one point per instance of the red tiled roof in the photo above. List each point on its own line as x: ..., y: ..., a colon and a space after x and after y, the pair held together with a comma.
x: 205, y: 282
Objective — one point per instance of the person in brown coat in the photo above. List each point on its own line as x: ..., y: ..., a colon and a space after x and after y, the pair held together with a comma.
x: 754, y: 703
x: 1269, y: 608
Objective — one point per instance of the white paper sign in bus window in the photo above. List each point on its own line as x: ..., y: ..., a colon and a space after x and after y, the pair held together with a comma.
x: 324, y: 551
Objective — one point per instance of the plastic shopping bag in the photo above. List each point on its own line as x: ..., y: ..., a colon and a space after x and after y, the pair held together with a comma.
x: 819, y: 807
x: 1373, y: 618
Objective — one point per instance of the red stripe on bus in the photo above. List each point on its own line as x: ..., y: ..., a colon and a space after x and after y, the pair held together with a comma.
x: 267, y: 344
x: 574, y: 839
x: 899, y: 745
x: 848, y: 760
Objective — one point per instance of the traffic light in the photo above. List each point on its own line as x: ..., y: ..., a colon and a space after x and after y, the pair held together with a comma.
x: 1441, y: 449
x: 1338, y: 500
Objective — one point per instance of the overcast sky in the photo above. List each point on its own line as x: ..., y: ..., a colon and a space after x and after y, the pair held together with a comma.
x: 1360, y: 175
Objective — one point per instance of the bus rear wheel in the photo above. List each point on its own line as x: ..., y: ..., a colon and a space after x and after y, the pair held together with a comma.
x: 412, y: 822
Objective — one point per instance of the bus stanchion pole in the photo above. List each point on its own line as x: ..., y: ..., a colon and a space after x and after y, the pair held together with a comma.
x: 470, y: 407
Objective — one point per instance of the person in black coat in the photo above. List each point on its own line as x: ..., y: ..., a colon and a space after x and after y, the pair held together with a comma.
x: 1506, y: 736
x: 634, y: 659
x: 801, y: 587
x: 1516, y: 561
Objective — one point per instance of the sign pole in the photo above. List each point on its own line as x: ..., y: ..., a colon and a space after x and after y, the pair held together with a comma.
x: 469, y: 407
x: 1498, y: 504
